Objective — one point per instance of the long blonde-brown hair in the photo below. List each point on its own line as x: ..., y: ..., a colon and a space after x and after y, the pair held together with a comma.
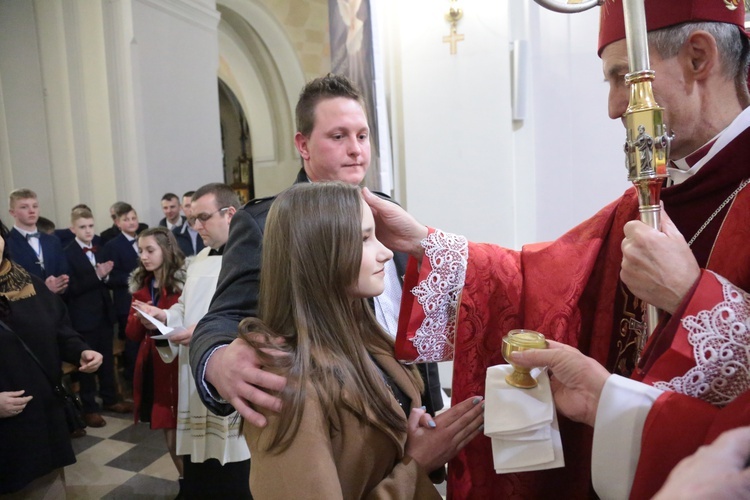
x: 168, y: 275
x: 312, y: 252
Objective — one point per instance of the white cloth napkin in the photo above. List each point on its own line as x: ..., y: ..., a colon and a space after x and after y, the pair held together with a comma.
x: 522, y: 423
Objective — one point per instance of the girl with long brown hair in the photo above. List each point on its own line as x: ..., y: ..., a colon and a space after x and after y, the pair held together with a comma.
x: 158, y: 281
x: 352, y: 425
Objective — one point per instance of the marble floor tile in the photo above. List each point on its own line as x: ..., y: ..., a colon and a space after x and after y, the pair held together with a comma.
x: 162, y: 468
x: 145, y: 487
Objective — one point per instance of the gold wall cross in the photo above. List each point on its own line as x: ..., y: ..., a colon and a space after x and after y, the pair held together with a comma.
x: 453, y: 15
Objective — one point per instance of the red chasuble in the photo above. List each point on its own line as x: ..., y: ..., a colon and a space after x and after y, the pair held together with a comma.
x: 569, y: 290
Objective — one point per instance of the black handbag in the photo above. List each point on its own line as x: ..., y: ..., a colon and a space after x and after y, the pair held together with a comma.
x: 72, y: 405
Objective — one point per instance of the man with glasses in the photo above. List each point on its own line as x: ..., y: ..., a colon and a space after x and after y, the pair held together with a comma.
x: 216, y: 462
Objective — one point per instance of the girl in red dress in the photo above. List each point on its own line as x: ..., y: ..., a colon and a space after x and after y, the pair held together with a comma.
x: 157, y: 280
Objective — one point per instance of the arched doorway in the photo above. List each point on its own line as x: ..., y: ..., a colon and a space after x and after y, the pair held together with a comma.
x: 259, y: 79
x: 235, y: 145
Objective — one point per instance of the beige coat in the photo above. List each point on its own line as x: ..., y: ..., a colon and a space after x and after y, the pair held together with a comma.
x: 339, y: 457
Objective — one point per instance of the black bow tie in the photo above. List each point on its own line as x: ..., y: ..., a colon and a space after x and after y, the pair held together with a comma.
x: 32, y: 235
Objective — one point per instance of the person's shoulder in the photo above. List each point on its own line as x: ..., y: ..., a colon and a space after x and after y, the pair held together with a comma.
x: 71, y: 246
x: 48, y: 239
x: 259, y: 205
x: 115, y: 241
x: 14, y: 235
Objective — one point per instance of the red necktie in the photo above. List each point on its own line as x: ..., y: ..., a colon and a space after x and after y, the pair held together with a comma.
x: 89, y: 249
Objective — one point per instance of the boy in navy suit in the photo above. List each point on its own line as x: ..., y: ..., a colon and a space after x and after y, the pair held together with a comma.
x: 39, y: 253
x: 92, y: 315
x: 122, y: 250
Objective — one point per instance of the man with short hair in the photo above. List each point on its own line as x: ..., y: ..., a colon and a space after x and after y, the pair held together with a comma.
x: 39, y: 253
x: 216, y: 463
x: 66, y: 236
x: 170, y: 206
x: 589, y: 288
x: 187, y: 237
x: 114, y: 231
x: 333, y: 140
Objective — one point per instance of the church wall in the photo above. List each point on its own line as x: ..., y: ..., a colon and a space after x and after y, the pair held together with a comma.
x: 306, y: 24
x: 108, y: 100
x: 454, y: 141
x: 462, y: 162
x: 175, y: 59
x: 24, y: 144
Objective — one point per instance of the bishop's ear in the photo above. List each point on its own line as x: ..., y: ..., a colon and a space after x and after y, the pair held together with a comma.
x: 701, y: 54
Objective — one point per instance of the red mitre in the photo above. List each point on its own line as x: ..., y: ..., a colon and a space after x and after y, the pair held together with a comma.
x: 664, y: 13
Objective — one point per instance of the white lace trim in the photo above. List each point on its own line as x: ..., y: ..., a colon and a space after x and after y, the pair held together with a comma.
x: 721, y: 347
x: 438, y: 294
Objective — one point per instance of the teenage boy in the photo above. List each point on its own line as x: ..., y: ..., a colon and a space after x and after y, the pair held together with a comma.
x: 111, y: 232
x: 39, y: 253
x: 92, y: 315
x: 122, y: 250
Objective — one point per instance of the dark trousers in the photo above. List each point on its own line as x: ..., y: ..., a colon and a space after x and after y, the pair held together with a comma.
x: 210, y: 479
x: 99, y: 340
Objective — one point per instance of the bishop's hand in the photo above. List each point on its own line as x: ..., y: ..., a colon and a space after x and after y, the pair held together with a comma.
x: 658, y: 266
x: 395, y: 227
x: 575, y: 379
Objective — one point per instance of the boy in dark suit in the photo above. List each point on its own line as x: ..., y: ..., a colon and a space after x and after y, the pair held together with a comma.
x: 122, y: 250
x: 66, y: 236
x: 92, y: 315
x: 112, y: 232
x: 39, y: 253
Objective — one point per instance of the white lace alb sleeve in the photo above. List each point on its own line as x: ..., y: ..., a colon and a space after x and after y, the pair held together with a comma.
x: 720, y: 338
x: 439, y: 294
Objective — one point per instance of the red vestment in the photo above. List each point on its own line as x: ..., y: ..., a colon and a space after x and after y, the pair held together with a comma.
x: 569, y: 290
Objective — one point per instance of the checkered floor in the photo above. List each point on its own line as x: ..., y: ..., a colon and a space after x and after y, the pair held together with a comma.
x: 121, y: 460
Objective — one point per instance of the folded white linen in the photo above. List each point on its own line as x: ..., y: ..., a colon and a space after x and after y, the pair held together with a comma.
x: 521, y: 423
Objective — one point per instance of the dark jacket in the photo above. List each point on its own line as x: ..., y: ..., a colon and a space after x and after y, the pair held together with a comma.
x: 37, y: 440
x: 114, y: 231
x: 66, y: 236
x: 185, y: 242
x: 125, y: 259
x: 236, y: 297
x: 88, y: 298
x: 22, y: 254
x: 163, y: 222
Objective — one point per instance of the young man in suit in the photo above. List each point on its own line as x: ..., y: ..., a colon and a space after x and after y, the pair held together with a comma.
x: 39, y: 253
x: 187, y: 237
x: 334, y: 143
x: 122, y: 250
x: 92, y: 315
x: 170, y: 206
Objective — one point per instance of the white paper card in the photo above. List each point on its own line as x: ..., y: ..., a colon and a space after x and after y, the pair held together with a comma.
x: 166, y: 331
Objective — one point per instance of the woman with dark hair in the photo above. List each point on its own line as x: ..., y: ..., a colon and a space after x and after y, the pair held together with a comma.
x: 352, y: 424
x: 34, y: 432
x: 157, y: 281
